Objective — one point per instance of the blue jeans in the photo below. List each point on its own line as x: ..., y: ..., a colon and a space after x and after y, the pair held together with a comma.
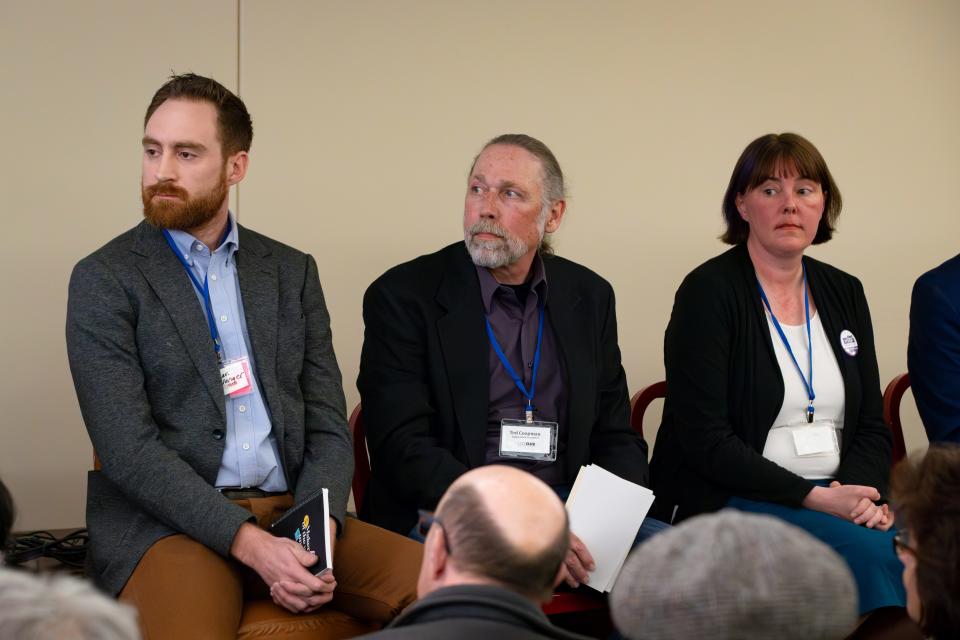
x: 868, y: 552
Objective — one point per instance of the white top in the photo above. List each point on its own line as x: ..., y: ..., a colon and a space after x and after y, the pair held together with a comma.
x: 829, y: 404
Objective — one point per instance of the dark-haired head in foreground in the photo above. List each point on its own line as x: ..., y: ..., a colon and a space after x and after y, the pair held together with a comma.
x: 926, y: 498
x: 7, y: 514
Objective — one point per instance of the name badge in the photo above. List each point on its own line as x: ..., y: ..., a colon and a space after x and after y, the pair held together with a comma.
x: 236, y: 379
x: 816, y: 439
x: 528, y: 440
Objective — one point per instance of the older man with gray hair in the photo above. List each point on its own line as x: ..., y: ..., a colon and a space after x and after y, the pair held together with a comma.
x: 494, y: 350
x: 732, y: 575
x: 39, y: 607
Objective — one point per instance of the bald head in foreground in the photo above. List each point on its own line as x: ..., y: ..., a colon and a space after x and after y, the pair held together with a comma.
x: 491, y: 557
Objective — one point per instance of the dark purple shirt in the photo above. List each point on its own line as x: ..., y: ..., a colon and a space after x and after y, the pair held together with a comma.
x: 515, y: 324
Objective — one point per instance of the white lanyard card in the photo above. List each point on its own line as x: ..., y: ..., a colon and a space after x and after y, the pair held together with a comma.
x: 818, y: 438
x: 534, y: 440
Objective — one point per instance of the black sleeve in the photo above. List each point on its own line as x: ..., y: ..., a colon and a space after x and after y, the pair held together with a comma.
x: 933, y: 358
x: 614, y: 444
x: 868, y: 459
x: 397, y: 407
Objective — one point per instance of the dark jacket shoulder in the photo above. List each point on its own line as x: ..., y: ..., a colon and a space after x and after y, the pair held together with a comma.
x: 144, y: 238
x: 426, y: 271
x: 116, y: 249
x: 945, y: 274
x: 265, y: 245
x: 471, y: 612
x: 823, y: 274
x: 574, y: 273
x: 731, y: 274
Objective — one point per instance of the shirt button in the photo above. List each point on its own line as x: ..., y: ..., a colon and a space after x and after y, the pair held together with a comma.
x: 242, y: 408
x: 223, y: 318
x: 246, y: 446
x: 217, y: 434
x: 213, y: 277
x: 199, y: 247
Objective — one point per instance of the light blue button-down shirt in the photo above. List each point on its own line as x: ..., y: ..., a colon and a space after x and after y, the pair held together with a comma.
x: 250, y: 458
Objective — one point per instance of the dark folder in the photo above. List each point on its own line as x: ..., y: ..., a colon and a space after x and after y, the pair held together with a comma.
x: 308, y: 524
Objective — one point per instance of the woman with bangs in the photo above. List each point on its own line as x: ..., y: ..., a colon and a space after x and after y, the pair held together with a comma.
x: 773, y: 394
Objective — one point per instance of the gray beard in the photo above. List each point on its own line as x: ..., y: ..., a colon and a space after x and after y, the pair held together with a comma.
x: 493, y: 254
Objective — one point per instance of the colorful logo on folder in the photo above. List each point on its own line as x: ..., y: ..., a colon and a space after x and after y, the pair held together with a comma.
x: 302, y: 535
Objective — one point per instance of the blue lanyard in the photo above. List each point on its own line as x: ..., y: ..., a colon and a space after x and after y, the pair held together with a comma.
x: 806, y: 305
x: 204, y: 291
x: 517, y: 380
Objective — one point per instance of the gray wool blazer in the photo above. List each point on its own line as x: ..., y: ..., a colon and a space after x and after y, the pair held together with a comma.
x: 149, y: 390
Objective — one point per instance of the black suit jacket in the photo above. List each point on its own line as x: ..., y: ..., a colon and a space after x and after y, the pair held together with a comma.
x: 933, y: 353
x: 424, y: 380
x: 725, y: 388
x: 473, y: 612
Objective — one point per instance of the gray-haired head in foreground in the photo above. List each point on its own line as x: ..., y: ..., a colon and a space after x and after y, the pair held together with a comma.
x: 36, y: 607
x: 734, y: 575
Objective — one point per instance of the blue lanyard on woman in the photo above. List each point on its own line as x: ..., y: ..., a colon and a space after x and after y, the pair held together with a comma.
x: 204, y: 290
x: 513, y: 374
x: 806, y: 306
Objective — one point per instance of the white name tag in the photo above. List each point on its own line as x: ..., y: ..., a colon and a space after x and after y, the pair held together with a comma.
x: 532, y: 440
x: 817, y: 439
x: 236, y: 379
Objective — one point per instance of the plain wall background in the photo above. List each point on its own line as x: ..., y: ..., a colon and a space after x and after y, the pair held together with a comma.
x: 367, y: 115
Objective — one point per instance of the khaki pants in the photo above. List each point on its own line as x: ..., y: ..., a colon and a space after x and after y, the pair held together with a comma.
x: 183, y: 589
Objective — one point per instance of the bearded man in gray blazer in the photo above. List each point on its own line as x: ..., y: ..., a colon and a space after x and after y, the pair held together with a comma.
x: 203, y: 363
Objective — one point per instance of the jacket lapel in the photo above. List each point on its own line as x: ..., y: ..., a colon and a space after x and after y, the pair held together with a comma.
x: 775, y: 382
x: 259, y: 290
x: 465, y: 352
x: 572, y: 332
x: 831, y: 327
x: 167, y: 278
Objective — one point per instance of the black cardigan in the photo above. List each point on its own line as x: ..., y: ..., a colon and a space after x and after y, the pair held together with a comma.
x: 725, y: 388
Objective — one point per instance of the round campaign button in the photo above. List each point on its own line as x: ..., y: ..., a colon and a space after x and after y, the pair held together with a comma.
x: 849, y: 343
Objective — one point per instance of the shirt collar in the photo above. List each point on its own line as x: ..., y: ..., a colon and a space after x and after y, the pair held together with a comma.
x: 189, y: 246
x: 537, y: 282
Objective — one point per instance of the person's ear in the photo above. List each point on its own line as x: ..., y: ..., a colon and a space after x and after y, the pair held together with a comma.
x: 236, y: 168
x: 555, y: 216
x: 741, y: 207
x: 436, y: 551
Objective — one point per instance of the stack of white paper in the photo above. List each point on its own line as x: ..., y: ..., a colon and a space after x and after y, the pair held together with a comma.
x: 606, y: 512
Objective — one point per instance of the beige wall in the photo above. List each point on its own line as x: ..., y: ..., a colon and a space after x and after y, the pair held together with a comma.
x: 76, y: 78
x: 368, y: 113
